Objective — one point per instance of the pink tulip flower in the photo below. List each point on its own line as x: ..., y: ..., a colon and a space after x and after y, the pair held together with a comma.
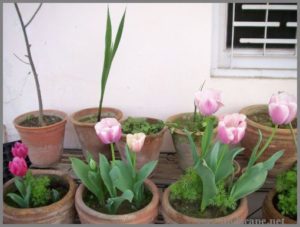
x: 231, y: 128
x: 18, y: 166
x: 136, y: 141
x: 282, y: 108
x: 108, y: 130
x: 208, y: 101
x: 19, y: 150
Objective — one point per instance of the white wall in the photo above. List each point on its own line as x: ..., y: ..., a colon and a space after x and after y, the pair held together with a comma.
x: 163, y: 58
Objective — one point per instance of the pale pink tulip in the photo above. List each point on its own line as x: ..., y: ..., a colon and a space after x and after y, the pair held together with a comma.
x: 19, y: 150
x: 18, y: 166
x: 231, y: 128
x: 108, y: 130
x: 282, y: 108
x: 135, y: 142
x: 208, y: 101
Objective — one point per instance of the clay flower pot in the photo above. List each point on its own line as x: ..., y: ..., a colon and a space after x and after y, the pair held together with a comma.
x: 172, y: 216
x: 271, y: 214
x: 86, y: 131
x: 181, y: 142
x: 60, y: 212
x: 151, y: 148
x: 283, y: 139
x: 45, y: 143
x: 146, y: 215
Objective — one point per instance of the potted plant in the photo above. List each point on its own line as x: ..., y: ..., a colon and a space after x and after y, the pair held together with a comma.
x: 85, y: 120
x: 281, y: 202
x: 211, y: 192
x: 207, y: 102
x: 37, y: 196
x: 154, y: 130
x: 43, y: 130
x: 282, y: 110
x: 115, y: 192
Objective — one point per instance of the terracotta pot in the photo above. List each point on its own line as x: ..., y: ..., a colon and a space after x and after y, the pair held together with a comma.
x: 151, y: 147
x: 146, y: 215
x: 181, y: 142
x: 271, y: 214
x: 86, y: 132
x: 282, y: 140
x: 60, y: 212
x: 45, y: 143
x: 172, y: 216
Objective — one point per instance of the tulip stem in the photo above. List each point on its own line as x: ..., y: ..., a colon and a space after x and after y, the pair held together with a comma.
x: 195, y: 112
x: 293, y: 134
x: 134, y: 160
x: 267, y: 143
x: 112, y: 152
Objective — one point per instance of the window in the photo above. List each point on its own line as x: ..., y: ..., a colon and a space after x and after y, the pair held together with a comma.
x: 255, y: 40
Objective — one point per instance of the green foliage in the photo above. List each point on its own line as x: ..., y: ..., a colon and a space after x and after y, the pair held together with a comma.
x: 136, y: 125
x: 41, y: 194
x: 286, y: 187
x: 188, y: 187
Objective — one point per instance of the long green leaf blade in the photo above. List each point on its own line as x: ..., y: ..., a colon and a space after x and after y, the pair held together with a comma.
x: 118, y: 36
x: 192, y: 146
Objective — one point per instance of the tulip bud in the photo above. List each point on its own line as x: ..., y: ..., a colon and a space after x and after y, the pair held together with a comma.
x: 231, y: 128
x: 108, y: 130
x: 135, y: 142
x: 92, y: 164
x: 208, y: 101
x: 282, y: 108
x: 19, y: 150
x: 18, y: 166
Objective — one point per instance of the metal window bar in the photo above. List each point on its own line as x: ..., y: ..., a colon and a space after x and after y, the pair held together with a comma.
x: 264, y: 24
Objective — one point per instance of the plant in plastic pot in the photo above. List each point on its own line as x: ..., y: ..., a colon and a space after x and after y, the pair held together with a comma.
x: 84, y: 120
x: 281, y: 202
x: 43, y: 130
x: 210, y: 191
x: 152, y: 128
x: 206, y: 103
x: 116, y: 191
x: 37, y: 196
x: 278, y: 118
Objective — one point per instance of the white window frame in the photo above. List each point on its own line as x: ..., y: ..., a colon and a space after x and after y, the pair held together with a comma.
x: 277, y: 63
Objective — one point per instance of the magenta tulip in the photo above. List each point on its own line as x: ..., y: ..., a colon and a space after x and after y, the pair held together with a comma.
x: 282, y: 108
x: 136, y: 141
x: 19, y: 150
x: 108, y: 130
x: 231, y: 128
x: 18, y: 166
x: 208, y: 101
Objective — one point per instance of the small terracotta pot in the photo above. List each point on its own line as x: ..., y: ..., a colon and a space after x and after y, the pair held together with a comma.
x: 60, y: 212
x: 86, y: 132
x: 45, y: 143
x: 181, y: 142
x: 151, y: 148
x: 271, y: 214
x: 146, y: 215
x: 282, y: 140
x: 172, y: 216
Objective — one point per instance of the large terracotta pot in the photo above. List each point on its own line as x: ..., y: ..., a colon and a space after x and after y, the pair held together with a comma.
x: 60, y: 212
x: 271, y: 214
x: 86, y: 131
x: 283, y: 139
x: 146, y: 215
x: 151, y: 148
x: 172, y: 216
x: 181, y: 142
x: 45, y: 143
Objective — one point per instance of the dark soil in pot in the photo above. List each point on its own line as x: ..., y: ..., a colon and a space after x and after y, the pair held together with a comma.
x: 92, y: 118
x: 125, y: 208
x: 33, y: 121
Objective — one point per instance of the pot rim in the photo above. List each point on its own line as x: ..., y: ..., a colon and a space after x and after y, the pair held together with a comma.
x: 166, y: 203
x: 118, y: 112
x: 161, y: 132
x: 43, y: 209
x: 261, y: 126
x: 58, y: 113
x: 116, y: 217
x: 179, y: 131
x: 269, y: 202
